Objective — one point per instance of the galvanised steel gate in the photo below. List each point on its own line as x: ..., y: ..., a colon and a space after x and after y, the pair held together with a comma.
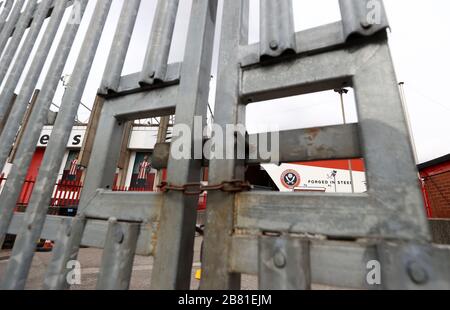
x: 288, y: 240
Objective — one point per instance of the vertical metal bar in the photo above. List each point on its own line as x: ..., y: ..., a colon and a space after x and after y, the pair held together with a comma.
x: 155, y: 63
x: 21, y: 60
x: 413, y: 266
x: 277, y: 30
x: 104, y: 157
x: 388, y: 132
x: 284, y: 264
x: 118, y: 256
x: 119, y: 49
x: 63, y: 252
x: 6, y: 10
x: 48, y: 172
x: 10, y: 24
x: 21, y: 130
x: 161, y: 138
x: 219, y: 213
x: 362, y: 17
x: 26, y: 151
x: 2, y: 124
x: 19, y: 31
x: 174, y: 250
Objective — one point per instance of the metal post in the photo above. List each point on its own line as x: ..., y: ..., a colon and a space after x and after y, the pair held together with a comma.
x: 26, y: 117
x: 48, y: 173
x: 26, y: 150
x: 118, y: 256
x: 341, y: 93
x: 357, y: 18
x: 119, y: 49
x: 19, y: 108
x: 383, y: 127
x: 104, y: 157
x: 6, y: 10
x: 19, y: 31
x: 10, y: 24
x: 162, y: 136
x: 277, y: 28
x: 228, y: 110
x: 174, y: 249
x: 155, y: 63
x: 8, y: 111
x: 36, y: 122
x: 284, y: 263
x: 69, y: 106
x: 63, y: 252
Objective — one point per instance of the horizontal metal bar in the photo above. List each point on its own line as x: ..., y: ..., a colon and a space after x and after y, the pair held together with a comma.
x: 317, y: 39
x: 335, y: 215
x: 129, y: 84
x: 333, y: 263
x: 326, y: 143
x: 345, y: 264
x: 154, y: 103
x: 320, y: 72
x: 125, y: 206
x: 94, y: 234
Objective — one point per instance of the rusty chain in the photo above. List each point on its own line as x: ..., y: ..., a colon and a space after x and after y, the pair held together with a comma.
x: 194, y: 189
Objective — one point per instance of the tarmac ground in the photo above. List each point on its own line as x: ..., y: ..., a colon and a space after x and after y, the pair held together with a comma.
x: 90, y: 260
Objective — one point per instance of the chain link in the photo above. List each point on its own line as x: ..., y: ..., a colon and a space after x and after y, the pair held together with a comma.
x: 194, y: 189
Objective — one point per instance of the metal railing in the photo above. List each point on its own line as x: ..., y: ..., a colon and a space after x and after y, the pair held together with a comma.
x: 65, y: 194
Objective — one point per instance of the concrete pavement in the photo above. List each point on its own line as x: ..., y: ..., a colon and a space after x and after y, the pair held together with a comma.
x: 90, y: 260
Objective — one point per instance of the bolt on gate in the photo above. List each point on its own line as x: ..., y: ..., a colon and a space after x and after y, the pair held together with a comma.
x: 288, y: 240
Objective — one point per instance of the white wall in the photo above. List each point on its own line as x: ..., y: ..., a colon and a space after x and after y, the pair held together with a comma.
x: 143, y: 138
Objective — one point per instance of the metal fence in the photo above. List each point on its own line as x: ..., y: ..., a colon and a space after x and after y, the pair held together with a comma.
x: 65, y: 194
x: 288, y: 240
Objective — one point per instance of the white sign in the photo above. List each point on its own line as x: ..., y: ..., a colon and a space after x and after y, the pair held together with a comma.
x: 75, y: 141
x: 298, y: 177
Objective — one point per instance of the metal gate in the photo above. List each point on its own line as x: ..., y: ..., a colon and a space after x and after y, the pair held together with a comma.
x: 288, y: 240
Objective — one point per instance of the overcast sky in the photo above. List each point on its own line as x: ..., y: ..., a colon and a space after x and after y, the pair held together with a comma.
x: 420, y: 42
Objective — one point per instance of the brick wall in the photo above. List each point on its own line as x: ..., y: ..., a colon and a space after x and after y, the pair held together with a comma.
x: 438, y: 190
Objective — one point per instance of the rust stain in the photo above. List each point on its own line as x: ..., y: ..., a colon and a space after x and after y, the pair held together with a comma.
x: 313, y: 132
